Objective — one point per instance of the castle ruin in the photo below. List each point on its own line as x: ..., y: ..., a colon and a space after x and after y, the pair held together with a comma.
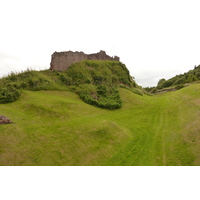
x: 62, y: 60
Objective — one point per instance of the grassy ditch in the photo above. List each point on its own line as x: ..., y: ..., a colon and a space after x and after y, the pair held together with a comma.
x: 57, y: 128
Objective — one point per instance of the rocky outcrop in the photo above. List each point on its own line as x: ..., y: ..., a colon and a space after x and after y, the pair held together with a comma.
x: 62, y: 60
x: 4, y: 120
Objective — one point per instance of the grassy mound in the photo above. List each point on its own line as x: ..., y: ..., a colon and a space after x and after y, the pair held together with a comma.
x: 96, y: 82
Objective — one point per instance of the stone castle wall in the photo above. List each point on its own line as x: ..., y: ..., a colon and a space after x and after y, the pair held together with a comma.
x: 62, y: 60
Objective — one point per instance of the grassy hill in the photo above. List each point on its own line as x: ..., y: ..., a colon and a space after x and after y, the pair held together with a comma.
x: 57, y: 128
x: 96, y: 82
x: 177, y: 82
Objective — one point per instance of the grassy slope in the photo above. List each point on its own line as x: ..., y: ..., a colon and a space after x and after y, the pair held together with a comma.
x: 96, y: 82
x: 57, y: 128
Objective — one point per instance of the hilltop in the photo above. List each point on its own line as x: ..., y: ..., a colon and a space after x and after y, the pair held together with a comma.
x: 62, y: 60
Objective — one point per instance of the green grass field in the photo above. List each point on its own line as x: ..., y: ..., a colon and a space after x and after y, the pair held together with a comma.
x: 58, y: 128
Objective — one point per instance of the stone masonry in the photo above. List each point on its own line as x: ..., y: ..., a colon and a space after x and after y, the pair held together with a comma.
x: 62, y: 60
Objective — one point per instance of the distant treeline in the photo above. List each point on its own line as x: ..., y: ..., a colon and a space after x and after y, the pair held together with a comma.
x: 177, y: 82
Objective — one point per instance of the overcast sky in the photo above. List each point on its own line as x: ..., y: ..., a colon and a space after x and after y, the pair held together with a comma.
x: 155, y: 39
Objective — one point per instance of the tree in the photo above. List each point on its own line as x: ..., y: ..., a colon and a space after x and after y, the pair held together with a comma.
x: 160, y: 83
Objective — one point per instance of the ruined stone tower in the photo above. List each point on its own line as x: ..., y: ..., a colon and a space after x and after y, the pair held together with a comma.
x: 62, y: 60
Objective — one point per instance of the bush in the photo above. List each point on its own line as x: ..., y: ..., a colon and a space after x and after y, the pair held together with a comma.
x: 8, y: 94
x: 178, y: 87
x: 65, y: 79
x: 160, y: 83
x: 179, y: 81
x: 101, y: 96
x: 102, y: 90
x: 167, y: 83
x: 154, y: 90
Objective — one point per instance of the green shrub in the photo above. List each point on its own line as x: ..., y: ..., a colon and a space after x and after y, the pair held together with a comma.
x: 65, y: 79
x: 101, y: 96
x: 154, y: 90
x: 8, y: 94
x: 178, y: 87
x: 180, y: 81
x: 160, y: 83
x: 102, y: 90
x: 167, y: 83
